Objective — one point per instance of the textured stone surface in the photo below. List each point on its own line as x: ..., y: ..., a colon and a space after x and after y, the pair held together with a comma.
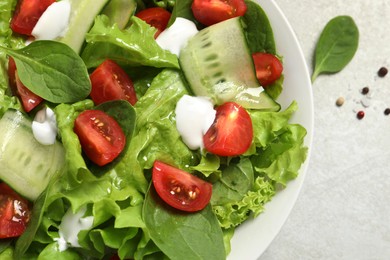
x: 343, y: 211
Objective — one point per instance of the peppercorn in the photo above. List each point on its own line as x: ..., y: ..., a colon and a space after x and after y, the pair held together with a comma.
x: 387, y: 111
x: 382, y: 72
x: 360, y: 114
x: 365, y: 90
x: 340, y: 101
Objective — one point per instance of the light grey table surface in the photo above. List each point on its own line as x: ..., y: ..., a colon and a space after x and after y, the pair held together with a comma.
x: 343, y: 210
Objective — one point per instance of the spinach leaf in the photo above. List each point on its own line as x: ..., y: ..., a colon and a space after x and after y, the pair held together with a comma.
x: 52, y: 70
x: 4, y: 244
x: 183, y: 235
x: 183, y: 9
x: 336, y: 46
x: 259, y: 31
x: 49, y: 195
x: 236, y: 181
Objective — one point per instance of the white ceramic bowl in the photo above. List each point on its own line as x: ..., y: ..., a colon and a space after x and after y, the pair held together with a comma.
x: 253, y: 237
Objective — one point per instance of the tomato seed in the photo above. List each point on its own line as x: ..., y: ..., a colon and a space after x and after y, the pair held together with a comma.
x: 360, y: 114
x: 365, y: 90
x: 387, y: 111
x: 382, y: 72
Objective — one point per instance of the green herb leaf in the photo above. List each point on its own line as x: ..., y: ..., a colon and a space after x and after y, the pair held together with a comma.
x: 195, y: 235
x: 259, y: 31
x: 52, y: 70
x: 336, y: 46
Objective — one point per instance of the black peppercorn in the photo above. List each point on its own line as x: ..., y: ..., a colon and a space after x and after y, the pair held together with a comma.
x: 382, y: 72
x: 365, y: 90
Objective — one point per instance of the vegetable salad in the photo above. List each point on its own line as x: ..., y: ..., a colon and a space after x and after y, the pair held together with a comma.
x: 107, y: 208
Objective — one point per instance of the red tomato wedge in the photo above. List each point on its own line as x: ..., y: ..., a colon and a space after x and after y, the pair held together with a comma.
x: 14, y: 213
x: 209, y: 12
x: 179, y: 188
x: 100, y: 135
x: 29, y: 99
x: 231, y: 133
x: 268, y: 68
x: 27, y: 14
x: 155, y: 16
x: 110, y: 82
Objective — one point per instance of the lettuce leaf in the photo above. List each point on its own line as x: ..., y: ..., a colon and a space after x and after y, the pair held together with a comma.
x: 134, y: 46
x: 7, y: 40
x: 275, y: 158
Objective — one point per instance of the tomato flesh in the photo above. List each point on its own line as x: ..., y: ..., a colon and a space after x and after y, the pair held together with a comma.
x: 155, y: 16
x: 110, y: 82
x: 101, y: 137
x: 209, y: 12
x: 29, y: 99
x: 268, y: 68
x: 14, y: 213
x: 27, y: 14
x: 179, y: 188
x: 231, y: 133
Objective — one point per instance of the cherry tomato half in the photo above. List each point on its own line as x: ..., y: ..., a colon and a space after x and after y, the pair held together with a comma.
x: 231, y: 133
x: 268, y: 68
x: 210, y: 12
x: 29, y: 99
x: 155, y: 16
x: 179, y: 188
x: 14, y: 212
x: 100, y: 135
x: 110, y: 82
x: 27, y: 14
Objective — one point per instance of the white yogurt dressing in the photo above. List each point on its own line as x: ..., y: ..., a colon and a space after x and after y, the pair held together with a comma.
x: 71, y: 225
x: 176, y: 36
x: 194, y: 116
x: 53, y: 22
x: 44, y: 126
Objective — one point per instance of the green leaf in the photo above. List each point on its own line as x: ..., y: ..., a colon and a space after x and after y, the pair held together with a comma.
x: 52, y: 70
x: 336, y: 46
x: 194, y: 235
x: 134, y: 46
x: 236, y: 181
x: 183, y: 9
x: 259, y: 31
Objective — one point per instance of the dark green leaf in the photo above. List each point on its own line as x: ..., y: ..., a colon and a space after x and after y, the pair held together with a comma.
x: 52, y: 70
x: 194, y: 235
x: 182, y: 9
x: 25, y: 240
x: 336, y: 46
x: 4, y: 244
x: 236, y: 181
x: 259, y: 31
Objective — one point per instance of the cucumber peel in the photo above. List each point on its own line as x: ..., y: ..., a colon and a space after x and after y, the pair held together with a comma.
x: 217, y: 63
x: 83, y: 13
x: 25, y: 164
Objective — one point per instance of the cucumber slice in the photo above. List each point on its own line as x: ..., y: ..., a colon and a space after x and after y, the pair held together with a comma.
x: 25, y: 164
x: 217, y: 63
x: 82, y: 16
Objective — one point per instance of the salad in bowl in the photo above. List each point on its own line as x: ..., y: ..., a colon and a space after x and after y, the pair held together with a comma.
x: 139, y: 129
